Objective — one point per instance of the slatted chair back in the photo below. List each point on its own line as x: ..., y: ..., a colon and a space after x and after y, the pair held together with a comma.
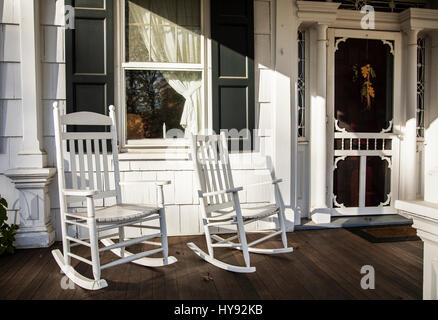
x: 87, y: 154
x: 213, y: 171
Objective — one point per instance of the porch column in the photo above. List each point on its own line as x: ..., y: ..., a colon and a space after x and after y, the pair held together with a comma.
x: 409, y: 168
x: 30, y: 175
x: 31, y: 154
x: 285, y: 127
x: 318, y: 143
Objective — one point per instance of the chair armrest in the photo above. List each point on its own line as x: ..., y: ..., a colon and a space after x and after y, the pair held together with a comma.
x: 156, y: 182
x: 79, y: 193
x: 275, y: 181
x: 208, y: 194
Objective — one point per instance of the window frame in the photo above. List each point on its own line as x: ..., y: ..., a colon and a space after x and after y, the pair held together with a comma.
x: 120, y: 85
x: 307, y: 80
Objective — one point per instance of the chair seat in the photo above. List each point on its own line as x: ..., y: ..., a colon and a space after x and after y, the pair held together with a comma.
x: 253, y: 213
x: 121, y: 213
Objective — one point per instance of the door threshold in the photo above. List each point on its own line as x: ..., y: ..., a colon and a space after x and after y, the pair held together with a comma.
x: 355, y: 221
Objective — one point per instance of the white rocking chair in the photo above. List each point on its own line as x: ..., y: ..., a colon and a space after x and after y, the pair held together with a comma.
x: 100, y: 186
x: 220, y: 205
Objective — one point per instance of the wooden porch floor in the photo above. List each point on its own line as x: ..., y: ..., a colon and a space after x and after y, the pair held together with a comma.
x: 325, y: 265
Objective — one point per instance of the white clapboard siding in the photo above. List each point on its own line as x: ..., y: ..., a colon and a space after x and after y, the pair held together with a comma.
x: 4, y: 157
x: 53, y: 81
x: 9, y: 43
x: 190, y: 219
x: 10, y: 79
x: 51, y: 12
x: 52, y: 38
x: 10, y: 12
x: 10, y: 115
x: 173, y: 220
x: 183, y: 187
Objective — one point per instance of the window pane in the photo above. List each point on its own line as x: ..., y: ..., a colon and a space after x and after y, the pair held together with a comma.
x: 163, y: 31
x: 155, y: 101
x: 364, y: 74
x: 378, y: 183
x: 346, y: 182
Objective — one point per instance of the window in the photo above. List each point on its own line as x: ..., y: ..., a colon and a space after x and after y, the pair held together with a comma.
x: 162, y: 68
x: 301, y: 86
x: 421, y: 60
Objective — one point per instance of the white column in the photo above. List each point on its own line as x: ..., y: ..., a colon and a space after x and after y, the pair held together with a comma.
x: 410, y: 137
x: 30, y: 175
x: 31, y: 154
x: 285, y: 128
x: 318, y: 140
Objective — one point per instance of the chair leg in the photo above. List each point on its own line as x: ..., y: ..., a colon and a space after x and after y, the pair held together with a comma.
x: 163, y: 231
x: 208, y: 239
x: 243, y: 242
x: 66, y: 244
x: 94, y: 249
x: 282, y: 221
x: 122, y: 238
x: 241, y: 230
x: 281, y: 216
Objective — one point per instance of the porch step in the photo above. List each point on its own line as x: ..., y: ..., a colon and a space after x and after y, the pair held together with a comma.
x: 355, y: 221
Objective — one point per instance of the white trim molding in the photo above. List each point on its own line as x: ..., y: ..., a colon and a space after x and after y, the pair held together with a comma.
x: 312, y: 11
x: 420, y: 19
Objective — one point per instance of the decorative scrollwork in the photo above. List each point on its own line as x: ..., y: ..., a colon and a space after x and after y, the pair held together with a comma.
x: 338, y: 128
x: 388, y: 200
x: 338, y: 41
x: 336, y: 203
x: 388, y: 159
x: 387, y: 129
x: 390, y: 44
x: 337, y: 159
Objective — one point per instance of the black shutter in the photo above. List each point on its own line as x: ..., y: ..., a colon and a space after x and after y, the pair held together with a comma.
x: 90, y: 58
x: 232, y: 33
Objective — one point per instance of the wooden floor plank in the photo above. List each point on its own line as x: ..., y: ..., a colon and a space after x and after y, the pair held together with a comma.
x: 324, y: 265
x: 386, y: 268
x: 325, y: 256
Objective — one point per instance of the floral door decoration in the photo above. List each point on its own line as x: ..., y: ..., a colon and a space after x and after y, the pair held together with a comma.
x: 367, y: 91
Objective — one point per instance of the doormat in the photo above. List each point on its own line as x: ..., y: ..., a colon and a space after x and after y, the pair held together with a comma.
x: 382, y: 234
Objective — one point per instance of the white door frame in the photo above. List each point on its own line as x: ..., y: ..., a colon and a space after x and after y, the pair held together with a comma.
x: 392, y: 156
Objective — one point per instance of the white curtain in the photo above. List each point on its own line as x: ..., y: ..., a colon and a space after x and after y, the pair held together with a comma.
x: 167, y: 42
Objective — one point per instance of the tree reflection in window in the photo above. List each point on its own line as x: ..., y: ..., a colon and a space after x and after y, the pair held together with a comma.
x: 151, y: 102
